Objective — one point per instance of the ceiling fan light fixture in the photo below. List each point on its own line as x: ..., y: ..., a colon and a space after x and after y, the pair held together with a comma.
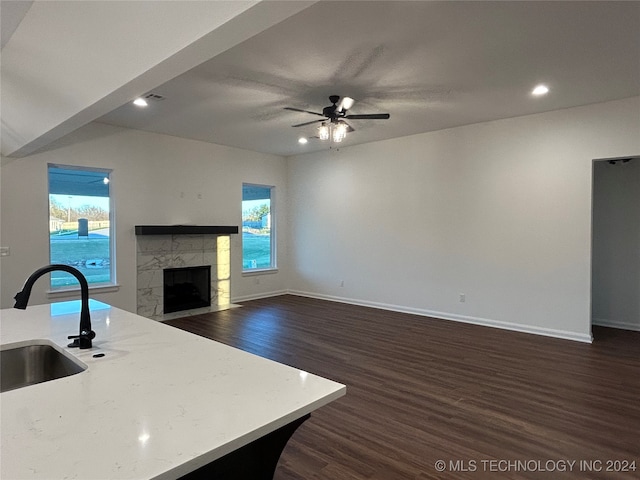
x: 333, y: 127
x: 323, y: 131
x: 345, y: 104
x: 339, y: 132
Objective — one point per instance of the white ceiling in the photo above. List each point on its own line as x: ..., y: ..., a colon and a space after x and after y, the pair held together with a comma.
x: 11, y: 14
x: 430, y: 65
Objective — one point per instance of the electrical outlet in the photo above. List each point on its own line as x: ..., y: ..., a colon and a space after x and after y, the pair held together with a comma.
x: 462, y: 298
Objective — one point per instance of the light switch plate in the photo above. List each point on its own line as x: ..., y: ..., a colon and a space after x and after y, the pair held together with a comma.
x: 4, y: 252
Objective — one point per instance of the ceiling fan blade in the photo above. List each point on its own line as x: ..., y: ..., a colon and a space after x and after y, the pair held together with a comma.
x: 304, y: 111
x: 309, y: 123
x: 345, y: 104
x: 369, y: 116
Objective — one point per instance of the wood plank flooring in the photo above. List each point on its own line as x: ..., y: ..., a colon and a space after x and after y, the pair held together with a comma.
x: 421, y: 390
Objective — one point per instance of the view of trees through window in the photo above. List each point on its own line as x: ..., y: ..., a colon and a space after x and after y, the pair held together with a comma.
x: 79, y: 224
x: 257, y: 245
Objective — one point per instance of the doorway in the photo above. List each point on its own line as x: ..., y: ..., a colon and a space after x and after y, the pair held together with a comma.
x: 615, y: 243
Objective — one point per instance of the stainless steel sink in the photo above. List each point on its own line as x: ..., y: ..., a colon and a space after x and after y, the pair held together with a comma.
x: 39, y: 361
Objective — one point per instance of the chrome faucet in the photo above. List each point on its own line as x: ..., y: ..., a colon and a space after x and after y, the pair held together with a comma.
x: 83, y: 340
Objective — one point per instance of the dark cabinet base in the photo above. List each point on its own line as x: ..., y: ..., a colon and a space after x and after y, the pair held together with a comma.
x: 255, y: 461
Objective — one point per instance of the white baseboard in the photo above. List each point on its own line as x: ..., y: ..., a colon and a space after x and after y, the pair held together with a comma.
x: 548, y: 332
x: 258, y: 296
x: 604, y: 322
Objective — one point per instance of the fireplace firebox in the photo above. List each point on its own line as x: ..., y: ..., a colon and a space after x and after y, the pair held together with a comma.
x: 186, y: 288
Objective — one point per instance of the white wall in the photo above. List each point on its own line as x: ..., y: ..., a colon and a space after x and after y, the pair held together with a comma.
x: 616, y: 244
x: 499, y: 211
x: 149, y: 173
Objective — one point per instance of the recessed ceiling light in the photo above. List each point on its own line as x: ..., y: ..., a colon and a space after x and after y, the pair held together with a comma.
x: 140, y: 102
x: 540, y: 90
x: 302, y: 140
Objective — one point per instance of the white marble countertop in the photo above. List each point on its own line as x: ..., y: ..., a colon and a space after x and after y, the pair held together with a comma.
x: 160, y: 403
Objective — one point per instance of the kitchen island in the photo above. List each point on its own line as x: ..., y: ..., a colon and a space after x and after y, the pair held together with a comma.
x: 160, y: 403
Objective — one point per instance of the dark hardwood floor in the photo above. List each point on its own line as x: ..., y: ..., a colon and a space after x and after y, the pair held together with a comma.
x: 421, y: 390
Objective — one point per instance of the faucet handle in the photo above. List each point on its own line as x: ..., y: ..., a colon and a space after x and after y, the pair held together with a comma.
x: 83, y: 340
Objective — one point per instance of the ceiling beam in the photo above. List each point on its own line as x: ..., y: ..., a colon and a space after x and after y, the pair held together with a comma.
x: 68, y: 63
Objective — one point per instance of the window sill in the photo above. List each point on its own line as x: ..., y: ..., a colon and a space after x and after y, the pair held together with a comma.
x: 75, y: 291
x: 260, y: 271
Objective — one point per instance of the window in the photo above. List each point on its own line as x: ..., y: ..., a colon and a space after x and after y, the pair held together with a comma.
x: 258, y: 246
x: 80, y: 224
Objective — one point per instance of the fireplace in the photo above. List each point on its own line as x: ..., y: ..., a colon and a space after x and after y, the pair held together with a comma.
x: 186, y: 288
x: 158, y: 250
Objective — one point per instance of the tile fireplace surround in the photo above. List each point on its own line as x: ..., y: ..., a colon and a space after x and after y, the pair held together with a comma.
x: 157, y: 252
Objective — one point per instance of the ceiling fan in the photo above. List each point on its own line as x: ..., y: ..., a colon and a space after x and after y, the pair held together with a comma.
x: 335, y: 115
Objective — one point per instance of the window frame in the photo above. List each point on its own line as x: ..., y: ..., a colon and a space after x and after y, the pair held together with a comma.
x: 273, y: 267
x: 108, y: 286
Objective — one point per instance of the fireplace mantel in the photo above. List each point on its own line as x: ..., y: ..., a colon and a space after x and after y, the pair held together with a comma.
x: 186, y: 229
